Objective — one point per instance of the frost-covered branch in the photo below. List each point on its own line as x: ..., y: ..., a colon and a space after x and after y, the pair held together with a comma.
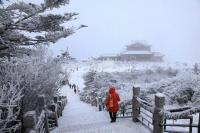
x: 181, y: 114
x: 33, y: 9
x: 19, y: 20
x: 22, y: 80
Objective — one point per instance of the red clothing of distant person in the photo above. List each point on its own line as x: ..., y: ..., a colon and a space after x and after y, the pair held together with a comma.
x: 115, y: 97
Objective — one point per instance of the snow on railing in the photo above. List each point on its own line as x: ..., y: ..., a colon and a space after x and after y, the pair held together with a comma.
x: 155, y: 116
x: 178, y: 114
x: 152, y: 115
x: 146, y: 105
x: 167, y: 114
x: 48, y: 117
x: 40, y: 126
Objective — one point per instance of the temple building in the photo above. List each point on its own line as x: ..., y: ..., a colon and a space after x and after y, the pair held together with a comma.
x: 135, y: 52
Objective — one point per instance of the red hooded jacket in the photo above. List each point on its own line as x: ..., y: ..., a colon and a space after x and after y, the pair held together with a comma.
x: 112, y: 95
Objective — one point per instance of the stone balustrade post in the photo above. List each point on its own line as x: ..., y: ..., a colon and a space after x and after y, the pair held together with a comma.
x: 55, y: 99
x: 53, y: 108
x: 64, y: 98
x: 41, y: 102
x: 157, y: 117
x: 60, y: 109
x: 135, y: 104
x: 60, y: 98
x: 42, y: 106
x: 29, y: 122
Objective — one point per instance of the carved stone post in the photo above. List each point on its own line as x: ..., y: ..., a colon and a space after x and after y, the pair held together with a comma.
x: 55, y: 99
x: 42, y: 106
x: 60, y: 98
x: 41, y: 103
x: 60, y: 109
x: 157, y: 117
x: 64, y: 98
x: 29, y: 122
x: 53, y: 108
x: 135, y: 104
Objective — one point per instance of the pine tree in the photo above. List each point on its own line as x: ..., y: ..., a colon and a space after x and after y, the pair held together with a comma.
x: 19, y: 19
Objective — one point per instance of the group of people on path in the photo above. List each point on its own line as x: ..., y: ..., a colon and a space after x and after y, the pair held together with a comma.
x: 75, y: 87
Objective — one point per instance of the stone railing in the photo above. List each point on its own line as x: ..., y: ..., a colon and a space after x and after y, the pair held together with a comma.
x: 48, y: 118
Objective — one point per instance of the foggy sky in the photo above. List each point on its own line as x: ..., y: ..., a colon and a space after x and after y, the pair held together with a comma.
x: 171, y: 27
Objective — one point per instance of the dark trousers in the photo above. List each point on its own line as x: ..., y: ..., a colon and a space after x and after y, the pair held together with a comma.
x: 113, y: 116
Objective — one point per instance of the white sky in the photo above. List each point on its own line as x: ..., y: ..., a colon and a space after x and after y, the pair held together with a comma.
x: 172, y: 27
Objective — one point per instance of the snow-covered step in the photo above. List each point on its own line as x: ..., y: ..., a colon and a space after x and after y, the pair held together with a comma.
x: 79, y: 117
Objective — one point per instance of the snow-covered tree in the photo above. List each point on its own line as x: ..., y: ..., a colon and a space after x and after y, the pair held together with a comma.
x: 28, y: 24
x: 23, y: 79
x: 31, y: 71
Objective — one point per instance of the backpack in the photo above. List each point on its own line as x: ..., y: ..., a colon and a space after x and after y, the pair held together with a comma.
x: 110, y: 103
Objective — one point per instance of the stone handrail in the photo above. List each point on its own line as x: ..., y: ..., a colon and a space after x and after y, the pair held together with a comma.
x: 48, y: 118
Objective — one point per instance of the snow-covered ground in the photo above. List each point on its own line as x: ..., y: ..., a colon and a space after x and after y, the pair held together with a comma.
x: 176, y: 80
x: 79, y: 117
x: 87, y: 119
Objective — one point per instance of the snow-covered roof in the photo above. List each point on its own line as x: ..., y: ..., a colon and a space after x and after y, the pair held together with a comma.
x: 137, y: 52
x: 160, y: 95
x: 108, y: 55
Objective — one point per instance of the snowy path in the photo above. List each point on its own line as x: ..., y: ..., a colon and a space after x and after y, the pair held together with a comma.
x: 79, y: 117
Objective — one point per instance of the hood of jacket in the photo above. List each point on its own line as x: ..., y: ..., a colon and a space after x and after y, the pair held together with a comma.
x: 112, y: 90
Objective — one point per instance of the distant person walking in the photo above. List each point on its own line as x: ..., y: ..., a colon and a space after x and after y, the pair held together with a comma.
x: 74, y: 86
x: 75, y: 90
x: 70, y: 85
x: 112, y: 103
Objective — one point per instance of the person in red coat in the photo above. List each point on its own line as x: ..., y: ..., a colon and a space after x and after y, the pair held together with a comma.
x: 112, y: 103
